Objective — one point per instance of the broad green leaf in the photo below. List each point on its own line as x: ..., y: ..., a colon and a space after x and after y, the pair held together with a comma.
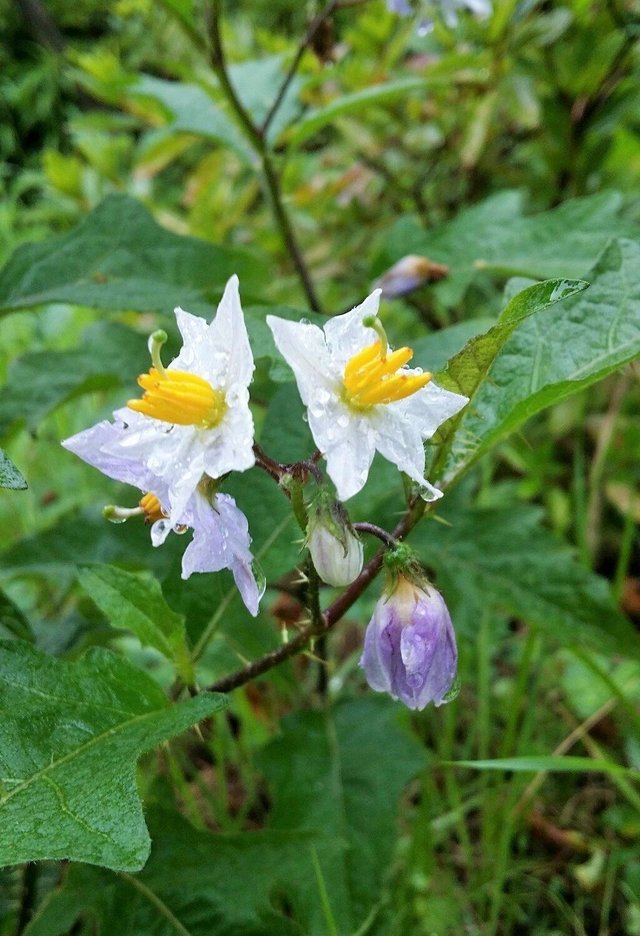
x: 10, y: 477
x: 111, y: 355
x: 560, y: 353
x: 135, y: 602
x: 466, y: 371
x: 70, y: 737
x: 494, y: 236
x: 194, y: 884
x: 505, y: 558
x: 547, y: 763
x: 353, y: 103
x: 341, y: 773
x: 118, y: 258
x: 192, y: 110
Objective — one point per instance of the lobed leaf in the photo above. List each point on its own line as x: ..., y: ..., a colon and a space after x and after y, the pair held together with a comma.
x: 70, y: 736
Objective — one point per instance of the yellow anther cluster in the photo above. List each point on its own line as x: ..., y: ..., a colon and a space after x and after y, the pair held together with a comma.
x: 151, y: 508
x: 371, y: 376
x: 180, y: 398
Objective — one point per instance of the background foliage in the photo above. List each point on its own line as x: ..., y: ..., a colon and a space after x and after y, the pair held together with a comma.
x: 507, y: 149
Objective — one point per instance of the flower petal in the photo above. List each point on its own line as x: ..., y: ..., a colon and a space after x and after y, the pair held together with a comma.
x: 221, y: 541
x: 399, y: 440
x: 347, y: 442
x: 346, y: 335
x: 228, y: 341
x: 430, y: 407
x: 303, y: 347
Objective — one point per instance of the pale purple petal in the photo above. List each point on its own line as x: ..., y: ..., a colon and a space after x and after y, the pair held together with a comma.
x: 410, y: 648
x: 221, y: 541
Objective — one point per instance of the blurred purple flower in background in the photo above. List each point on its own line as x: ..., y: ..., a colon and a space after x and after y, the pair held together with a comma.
x: 410, y: 646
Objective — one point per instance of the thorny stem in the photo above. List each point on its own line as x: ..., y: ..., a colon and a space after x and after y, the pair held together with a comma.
x: 256, y: 138
x: 326, y: 620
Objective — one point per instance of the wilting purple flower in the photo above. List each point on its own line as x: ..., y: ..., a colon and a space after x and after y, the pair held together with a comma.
x: 448, y: 9
x: 403, y: 7
x: 220, y: 530
x: 410, y: 647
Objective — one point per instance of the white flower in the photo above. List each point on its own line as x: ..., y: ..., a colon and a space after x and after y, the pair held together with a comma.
x: 220, y: 531
x: 194, y: 417
x: 360, y: 397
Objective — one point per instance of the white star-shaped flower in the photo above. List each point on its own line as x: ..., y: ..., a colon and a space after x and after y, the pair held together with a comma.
x: 194, y: 417
x: 360, y: 396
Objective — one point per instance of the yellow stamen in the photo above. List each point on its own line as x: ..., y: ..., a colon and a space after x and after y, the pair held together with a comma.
x: 150, y: 506
x: 373, y: 376
x: 179, y: 397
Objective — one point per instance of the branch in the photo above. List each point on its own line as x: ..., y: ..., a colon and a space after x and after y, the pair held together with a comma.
x: 327, y: 620
x: 255, y: 136
x: 308, y: 38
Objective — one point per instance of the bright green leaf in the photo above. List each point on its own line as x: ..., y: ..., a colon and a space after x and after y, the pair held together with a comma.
x: 69, y: 740
x: 548, y: 358
x: 135, y: 602
x: 548, y: 764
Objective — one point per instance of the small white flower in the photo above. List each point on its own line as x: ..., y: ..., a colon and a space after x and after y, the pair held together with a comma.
x: 194, y: 417
x: 360, y: 397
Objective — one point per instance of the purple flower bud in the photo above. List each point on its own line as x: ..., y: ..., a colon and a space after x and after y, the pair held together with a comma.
x: 410, y: 646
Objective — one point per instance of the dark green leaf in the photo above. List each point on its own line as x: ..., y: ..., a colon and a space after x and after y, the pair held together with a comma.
x: 195, y: 884
x: 70, y: 737
x: 494, y: 236
x: 119, y: 258
x: 341, y: 773
x: 505, y: 558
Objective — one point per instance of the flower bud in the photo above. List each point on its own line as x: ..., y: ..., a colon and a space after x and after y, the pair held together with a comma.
x: 338, y: 561
x: 410, y: 646
x: 336, y: 551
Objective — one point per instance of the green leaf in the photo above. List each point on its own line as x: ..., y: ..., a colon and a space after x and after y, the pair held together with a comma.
x: 12, y: 620
x: 10, y: 477
x: 118, y: 258
x: 353, y: 103
x: 548, y: 764
x: 135, y: 602
x: 38, y: 383
x: 194, y: 884
x: 257, y: 83
x: 549, y: 358
x: 341, y: 773
x: 505, y: 558
x: 434, y: 350
x: 192, y: 110
x: 466, y: 371
x: 494, y: 236
x: 70, y: 737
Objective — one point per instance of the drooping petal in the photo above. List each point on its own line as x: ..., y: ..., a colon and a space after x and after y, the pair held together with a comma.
x: 221, y: 541
x: 399, y: 440
x: 346, y: 335
x: 378, y: 649
x: 303, y: 347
